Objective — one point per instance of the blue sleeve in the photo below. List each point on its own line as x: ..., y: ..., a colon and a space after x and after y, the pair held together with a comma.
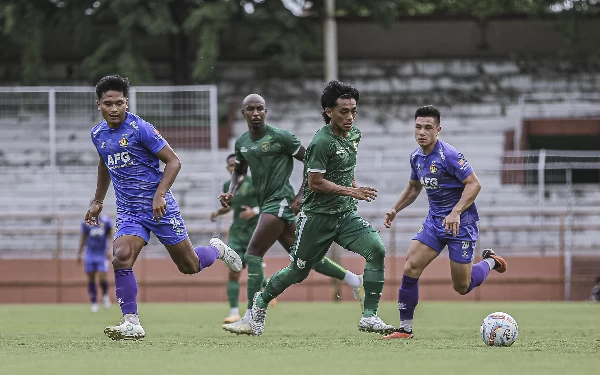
x: 457, y: 165
x: 413, y: 171
x: 150, y: 137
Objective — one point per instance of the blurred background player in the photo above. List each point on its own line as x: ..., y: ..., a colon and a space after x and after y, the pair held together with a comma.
x: 130, y: 150
x: 329, y: 211
x: 245, y: 217
x: 595, y: 296
x: 452, y: 187
x: 97, y: 241
x: 269, y: 152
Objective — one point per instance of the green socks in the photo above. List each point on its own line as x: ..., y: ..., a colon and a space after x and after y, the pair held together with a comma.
x: 256, y: 276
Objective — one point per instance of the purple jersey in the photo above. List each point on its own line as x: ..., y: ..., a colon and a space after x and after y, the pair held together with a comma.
x: 97, y: 238
x: 129, y: 153
x: 441, y: 173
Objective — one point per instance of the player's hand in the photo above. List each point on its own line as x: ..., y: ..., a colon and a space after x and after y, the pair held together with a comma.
x: 213, y: 215
x: 389, y: 217
x: 365, y: 193
x: 159, y: 206
x: 247, y: 213
x: 297, y: 204
x: 452, y: 223
x: 225, y: 199
x: 92, y: 214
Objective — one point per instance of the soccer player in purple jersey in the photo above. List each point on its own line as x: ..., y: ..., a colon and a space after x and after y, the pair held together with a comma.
x: 451, y: 186
x: 130, y: 150
x: 97, y: 242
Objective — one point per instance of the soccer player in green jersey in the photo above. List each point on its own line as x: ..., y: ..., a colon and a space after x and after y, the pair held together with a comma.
x: 245, y: 217
x: 269, y: 152
x: 329, y: 211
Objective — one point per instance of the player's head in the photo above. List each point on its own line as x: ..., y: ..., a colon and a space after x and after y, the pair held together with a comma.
x: 230, y: 163
x: 427, y: 126
x: 112, y: 92
x: 339, y: 102
x: 254, y: 110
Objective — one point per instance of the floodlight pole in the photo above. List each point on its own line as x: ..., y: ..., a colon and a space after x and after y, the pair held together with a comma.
x: 330, y: 45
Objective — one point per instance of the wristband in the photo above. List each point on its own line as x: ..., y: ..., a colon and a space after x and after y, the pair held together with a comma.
x: 256, y: 210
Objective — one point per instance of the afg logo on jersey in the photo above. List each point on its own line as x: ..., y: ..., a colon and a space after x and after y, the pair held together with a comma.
x: 430, y: 183
x: 118, y: 160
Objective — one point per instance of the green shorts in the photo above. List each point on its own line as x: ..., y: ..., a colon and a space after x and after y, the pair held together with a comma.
x: 315, y: 233
x: 281, y: 208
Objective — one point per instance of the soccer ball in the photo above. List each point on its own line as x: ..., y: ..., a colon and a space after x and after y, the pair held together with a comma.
x: 499, y: 329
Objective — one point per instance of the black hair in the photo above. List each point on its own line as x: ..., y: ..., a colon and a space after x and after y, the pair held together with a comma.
x: 335, y: 90
x: 112, y: 83
x: 229, y: 157
x: 428, y: 111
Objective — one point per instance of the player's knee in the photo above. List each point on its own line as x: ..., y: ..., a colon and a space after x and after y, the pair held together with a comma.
x: 297, y: 276
x: 378, y: 256
x: 412, y: 268
x: 233, y: 276
x: 122, y: 258
x: 460, y: 286
x: 188, y: 268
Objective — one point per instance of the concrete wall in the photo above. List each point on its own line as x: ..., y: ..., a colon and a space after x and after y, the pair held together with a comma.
x: 50, y: 281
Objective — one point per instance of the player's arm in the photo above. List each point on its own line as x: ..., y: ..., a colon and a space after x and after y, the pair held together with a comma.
x: 82, y: 241
x: 102, y: 184
x: 219, y: 212
x: 297, y: 203
x: 238, y: 176
x: 319, y: 184
x: 172, y: 168
x: 408, y: 196
x: 472, y: 188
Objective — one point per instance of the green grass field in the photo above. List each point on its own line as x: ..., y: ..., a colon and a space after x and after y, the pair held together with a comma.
x: 300, y: 338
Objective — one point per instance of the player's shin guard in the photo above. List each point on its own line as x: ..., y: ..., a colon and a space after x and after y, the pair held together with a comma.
x: 479, y: 273
x: 330, y: 268
x: 408, y: 297
x: 373, y: 284
x: 92, y: 292
x: 233, y: 293
x: 126, y: 289
x: 279, y: 282
x: 256, y: 276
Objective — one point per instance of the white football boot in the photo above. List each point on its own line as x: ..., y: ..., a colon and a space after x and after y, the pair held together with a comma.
x: 375, y: 324
x: 227, y: 255
x: 94, y: 307
x: 258, y: 316
x: 241, y: 327
x: 129, y: 328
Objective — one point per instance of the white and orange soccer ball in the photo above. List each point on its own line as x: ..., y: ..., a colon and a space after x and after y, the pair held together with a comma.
x: 499, y: 329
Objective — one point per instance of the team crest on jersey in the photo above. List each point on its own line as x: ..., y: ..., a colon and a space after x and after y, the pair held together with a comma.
x: 124, y: 142
x: 433, y: 169
x: 266, y: 146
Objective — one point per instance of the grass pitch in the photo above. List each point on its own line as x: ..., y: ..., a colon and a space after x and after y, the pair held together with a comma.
x: 300, y: 338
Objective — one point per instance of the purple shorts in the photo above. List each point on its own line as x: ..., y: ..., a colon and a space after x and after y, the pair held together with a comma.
x: 95, y: 265
x: 460, y: 248
x: 169, y: 229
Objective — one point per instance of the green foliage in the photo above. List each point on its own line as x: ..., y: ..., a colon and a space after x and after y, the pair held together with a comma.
x: 115, y: 26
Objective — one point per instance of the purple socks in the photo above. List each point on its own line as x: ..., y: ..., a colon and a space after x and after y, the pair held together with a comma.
x: 408, y: 297
x: 478, y: 274
x: 127, y: 289
x: 92, y: 292
x: 206, y: 255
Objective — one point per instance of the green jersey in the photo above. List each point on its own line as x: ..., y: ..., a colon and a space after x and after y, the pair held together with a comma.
x: 270, y: 160
x: 241, y: 230
x: 335, y: 157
